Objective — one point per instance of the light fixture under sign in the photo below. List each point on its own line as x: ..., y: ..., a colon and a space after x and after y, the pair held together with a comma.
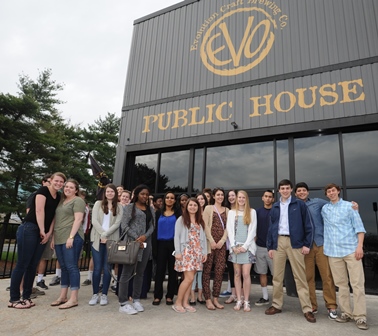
x: 234, y: 125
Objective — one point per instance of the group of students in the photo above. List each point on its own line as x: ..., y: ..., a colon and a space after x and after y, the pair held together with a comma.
x: 187, y: 235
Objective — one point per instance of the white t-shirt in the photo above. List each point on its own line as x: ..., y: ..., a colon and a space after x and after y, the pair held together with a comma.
x: 106, y: 221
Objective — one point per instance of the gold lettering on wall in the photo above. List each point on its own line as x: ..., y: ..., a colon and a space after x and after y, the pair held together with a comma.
x: 285, y: 101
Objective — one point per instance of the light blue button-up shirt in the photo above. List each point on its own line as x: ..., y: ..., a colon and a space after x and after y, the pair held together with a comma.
x: 315, y: 206
x: 341, y: 225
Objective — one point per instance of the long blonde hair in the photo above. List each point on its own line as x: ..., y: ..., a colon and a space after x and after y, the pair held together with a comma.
x: 247, y: 208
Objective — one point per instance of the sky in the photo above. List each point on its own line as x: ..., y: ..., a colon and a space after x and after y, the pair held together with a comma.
x: 86, y: 43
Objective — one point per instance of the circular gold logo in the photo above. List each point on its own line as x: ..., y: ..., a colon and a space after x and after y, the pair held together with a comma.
x: 222, y: 56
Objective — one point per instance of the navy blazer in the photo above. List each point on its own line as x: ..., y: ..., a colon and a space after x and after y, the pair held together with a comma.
x: 300, y: 225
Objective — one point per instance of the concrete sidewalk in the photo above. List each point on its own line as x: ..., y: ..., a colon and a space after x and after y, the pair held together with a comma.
x: 162, y: 320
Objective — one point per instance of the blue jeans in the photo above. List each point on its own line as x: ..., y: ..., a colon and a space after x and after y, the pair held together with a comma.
x: 29, y: 253
x: 68, y: 260
x: 100, y: 263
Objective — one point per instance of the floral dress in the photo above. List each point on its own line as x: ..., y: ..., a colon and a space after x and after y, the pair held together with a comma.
x: 192, y: 254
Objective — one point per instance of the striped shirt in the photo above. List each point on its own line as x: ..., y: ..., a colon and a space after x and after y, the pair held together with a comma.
x: 341, y: 225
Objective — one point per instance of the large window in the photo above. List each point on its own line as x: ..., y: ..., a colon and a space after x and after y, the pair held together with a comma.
x: 247, y: 166
x: 145, y: 171
x: 361, y: 158
x: 317, y: 160
x: 174, y: 171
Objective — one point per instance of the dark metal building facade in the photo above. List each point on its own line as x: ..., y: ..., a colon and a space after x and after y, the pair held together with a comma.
x: 244, y: 93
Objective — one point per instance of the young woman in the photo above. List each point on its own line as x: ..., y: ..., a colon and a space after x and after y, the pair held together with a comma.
x: 182, y: 199
x: 197, y: 282
x: 231, y: 203
x: 32, y: 235
x: 125, y: 197
x: 106, y: 219
x: 190, y: 251
x: 208, y: 193
x: 241, y: 228
x: 138, y: 218
x: 163, y: 247
x: 215, y: 218
x: 68, y: 241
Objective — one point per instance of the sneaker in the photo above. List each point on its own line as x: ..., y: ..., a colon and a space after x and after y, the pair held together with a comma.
x: 113, y: 288
x: 128, y: 309
x: 225, y: 294
x: 104, y: 300
x: 332, y: 314
x: 314, y: 311
x: 343, y: 318
x: 361, y: 324
x: 138, y: 306
x: 55, y: 281
x: 86, y: 282
x: 94, y: 300
x: 36, y: 291
x: 42, y: 284
x: 262, y: 302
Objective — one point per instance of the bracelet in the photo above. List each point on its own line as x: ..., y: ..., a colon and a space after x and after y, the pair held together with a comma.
x: 71, y: 238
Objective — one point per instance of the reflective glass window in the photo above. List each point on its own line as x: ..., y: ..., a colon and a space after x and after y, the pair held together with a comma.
x: 317, y: 160
x: 174, y: 171
x: 145, y: 171
x: 361, y: 158
x: 245, y: 166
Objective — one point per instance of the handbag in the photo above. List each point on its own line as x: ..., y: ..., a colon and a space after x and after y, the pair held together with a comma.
x: 123, y: 252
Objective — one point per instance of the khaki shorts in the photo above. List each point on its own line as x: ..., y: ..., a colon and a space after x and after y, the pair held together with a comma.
x: 48, y: 252
x: 263, y: 261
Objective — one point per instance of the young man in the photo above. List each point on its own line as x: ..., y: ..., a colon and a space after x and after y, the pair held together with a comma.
x: 316, y: 255
x: 290, y: 236
x: 262, y: 257
x: 344, y: 235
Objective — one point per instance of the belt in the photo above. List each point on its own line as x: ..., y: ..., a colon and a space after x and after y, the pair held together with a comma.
x: 284, y: 235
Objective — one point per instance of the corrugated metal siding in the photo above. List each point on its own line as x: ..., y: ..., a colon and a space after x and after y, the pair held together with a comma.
x: 242, y: 107
x: 318, y: 33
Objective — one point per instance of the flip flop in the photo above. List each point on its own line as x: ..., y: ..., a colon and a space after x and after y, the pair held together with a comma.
x: 58, y: 302
x: 18, y: 305
x: 190, y: 309
x: 178, y: 310
x: 68, y: 305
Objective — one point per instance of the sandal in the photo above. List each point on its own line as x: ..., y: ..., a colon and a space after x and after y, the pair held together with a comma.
x: 68, y: 305
x: 179, y: 309
x: 31, y: 303
x: 218, y: 305
x: 209, y: 305
x: 238, y: 305
x: 231, y: 299
x: 20, y: 304
x: 169, y: 302
x: 247, y: 306
x: 190, y: 309
x: 58, y: 302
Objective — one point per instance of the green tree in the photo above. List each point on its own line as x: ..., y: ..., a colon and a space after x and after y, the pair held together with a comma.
x: 35, y: 140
